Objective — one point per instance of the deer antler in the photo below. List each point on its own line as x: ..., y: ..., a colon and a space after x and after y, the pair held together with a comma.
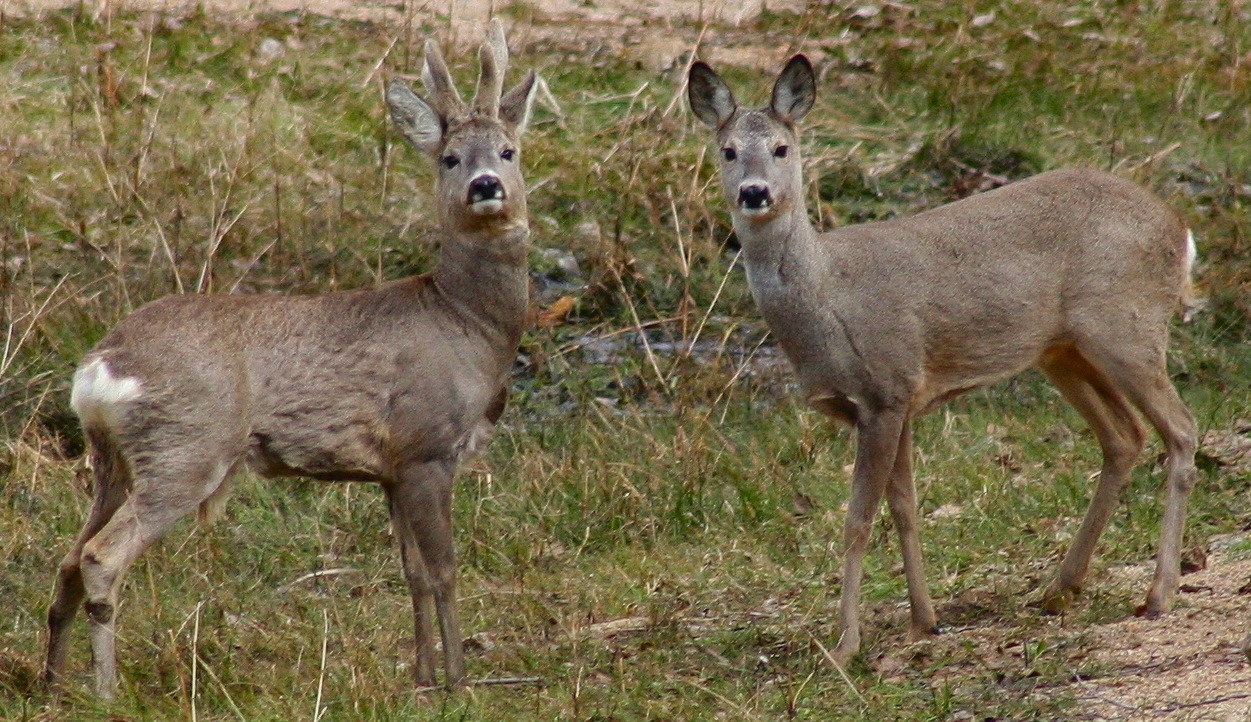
x: 493, y: 57
x: 438, y: 82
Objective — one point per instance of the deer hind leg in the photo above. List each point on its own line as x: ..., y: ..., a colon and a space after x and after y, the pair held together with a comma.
x: 158, y: 501
x: 1143, y: 378
x: 421, y: 511
x: 877, y: 442
x: 901, y: 497
x: 1121, y: 436
x: 112, y: 483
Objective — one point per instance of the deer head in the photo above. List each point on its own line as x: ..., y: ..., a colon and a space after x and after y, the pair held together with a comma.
x: 475, y: 146
x: 761, y: 167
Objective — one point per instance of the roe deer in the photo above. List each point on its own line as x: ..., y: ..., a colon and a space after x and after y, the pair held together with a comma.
x: 1073, y: 272
x: 394, y: 384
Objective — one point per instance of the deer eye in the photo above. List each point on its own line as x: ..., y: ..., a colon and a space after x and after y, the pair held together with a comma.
x: 449, y: 161
x: 729, y: 154
x: 507, y: 154
x: 780, y: 151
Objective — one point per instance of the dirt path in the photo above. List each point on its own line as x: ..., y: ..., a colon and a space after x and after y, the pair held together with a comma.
x: 1187, y: 666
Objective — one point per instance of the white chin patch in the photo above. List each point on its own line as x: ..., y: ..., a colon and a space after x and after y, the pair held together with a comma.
x: 755, y: 212
x: 486, y: 208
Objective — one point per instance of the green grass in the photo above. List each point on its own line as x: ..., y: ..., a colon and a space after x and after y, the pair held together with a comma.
x: 144, y: 156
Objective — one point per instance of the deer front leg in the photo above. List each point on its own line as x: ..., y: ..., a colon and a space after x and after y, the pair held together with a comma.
x: 877, y: 442
x: 418, y: 582
x: 901, y: 497
x: 421, y: 509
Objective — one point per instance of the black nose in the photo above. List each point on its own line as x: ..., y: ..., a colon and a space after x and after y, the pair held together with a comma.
x: 754, y: 196
x: 486, y: 188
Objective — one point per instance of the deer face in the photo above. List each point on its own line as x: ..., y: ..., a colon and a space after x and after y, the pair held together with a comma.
x: 758, y: 148
x: 475, y: 148
x: 760, y: 166
x: 479, y: 174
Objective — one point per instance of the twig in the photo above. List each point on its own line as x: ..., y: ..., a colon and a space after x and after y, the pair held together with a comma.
x: 321, y: 673
x: 195, y: 659
x: 634, y: 314
x: 575, y: 345
x: 11, y: 347
x: 686, y: 72
x: 841, y: 672
x: 222, y: 686
x: 741, y: 709
x: 1202, y: 703
x: 699, y: 329
x: 319, y: 575
x: 505, y: 681
x: 487, y: 682
x: 545, y: 97
x: 378, y: 65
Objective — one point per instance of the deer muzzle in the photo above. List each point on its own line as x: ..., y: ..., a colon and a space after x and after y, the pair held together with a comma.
x: 486, y: 194
x: 754, y: 198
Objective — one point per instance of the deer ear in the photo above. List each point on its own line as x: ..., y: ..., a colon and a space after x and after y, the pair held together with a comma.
x: 516, y: 104
x: 795, y: 90
x: 414, y: 118
x: 710, y: 98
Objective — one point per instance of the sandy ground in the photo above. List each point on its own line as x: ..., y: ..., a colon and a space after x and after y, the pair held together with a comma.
x: 1188, y: 666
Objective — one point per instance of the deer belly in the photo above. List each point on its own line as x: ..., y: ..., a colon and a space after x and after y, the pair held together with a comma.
x: 329, y: 450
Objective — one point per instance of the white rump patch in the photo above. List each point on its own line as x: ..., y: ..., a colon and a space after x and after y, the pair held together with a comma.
x: 98, y: 396
x: 1192, y: 305
x: 1191, y: 251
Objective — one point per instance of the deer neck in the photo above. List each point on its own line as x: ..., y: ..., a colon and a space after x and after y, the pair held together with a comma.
x: 775, y: 251
x: 483, y: 278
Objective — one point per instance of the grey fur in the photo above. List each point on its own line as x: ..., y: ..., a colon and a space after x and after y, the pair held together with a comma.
x: 1074, y: 272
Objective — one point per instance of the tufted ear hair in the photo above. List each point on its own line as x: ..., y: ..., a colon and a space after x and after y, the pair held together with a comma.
x: 419, y: 123
x: 709, y: 96
x: 795, y: 90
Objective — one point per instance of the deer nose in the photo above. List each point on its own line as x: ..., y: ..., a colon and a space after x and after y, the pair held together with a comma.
x: 754, y: 196
x: 486, y: 188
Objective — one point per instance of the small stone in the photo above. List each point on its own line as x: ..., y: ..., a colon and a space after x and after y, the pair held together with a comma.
x: 270, y: 48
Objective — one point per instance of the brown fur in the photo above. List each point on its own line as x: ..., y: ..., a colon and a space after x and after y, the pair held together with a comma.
x: 394, y: 384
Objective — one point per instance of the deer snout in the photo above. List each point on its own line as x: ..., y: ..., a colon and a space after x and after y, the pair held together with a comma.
x: 486, y: 194
x: 754, y: 197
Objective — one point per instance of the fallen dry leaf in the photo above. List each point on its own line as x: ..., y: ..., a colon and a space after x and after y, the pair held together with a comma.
x: 555, y: 314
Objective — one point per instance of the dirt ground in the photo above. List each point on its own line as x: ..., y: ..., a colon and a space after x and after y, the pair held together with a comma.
x: 1188, y: 666
x: 608, y: 21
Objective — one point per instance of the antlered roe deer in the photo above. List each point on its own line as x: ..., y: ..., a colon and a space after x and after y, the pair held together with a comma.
x: 394, y: 384
x: 1074, y: 272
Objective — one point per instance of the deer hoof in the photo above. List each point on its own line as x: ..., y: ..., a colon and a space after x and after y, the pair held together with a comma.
x: 1056, y: 600
x: 916, y: 634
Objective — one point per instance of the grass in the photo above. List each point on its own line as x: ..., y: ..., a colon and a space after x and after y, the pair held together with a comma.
x: 688, y: 494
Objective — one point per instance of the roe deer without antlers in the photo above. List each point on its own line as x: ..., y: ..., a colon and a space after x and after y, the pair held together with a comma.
x: 1073, y: 272
x: 393, y: 385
